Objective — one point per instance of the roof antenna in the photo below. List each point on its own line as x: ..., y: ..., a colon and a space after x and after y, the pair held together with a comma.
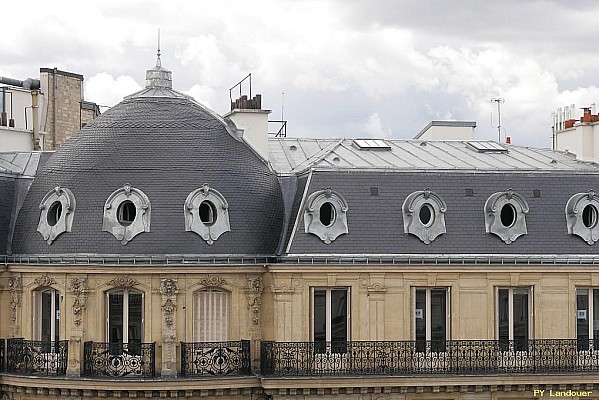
x: 158, y: 63
x: 499, y: 101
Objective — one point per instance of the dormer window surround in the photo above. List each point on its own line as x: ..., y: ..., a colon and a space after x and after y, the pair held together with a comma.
x: 325, y: 215
x: 424, y: 215
x: 207, y: 213
x: 582, y: 214
x: 505, y: 215
x: 57, y: 213
x: 127, y: 213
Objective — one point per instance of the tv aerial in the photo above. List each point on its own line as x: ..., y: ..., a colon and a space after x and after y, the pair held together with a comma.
x: 499, y: 101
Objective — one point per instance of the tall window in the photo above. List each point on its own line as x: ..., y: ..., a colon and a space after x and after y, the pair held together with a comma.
x: 514, y: 319
x: 330, y: 318
x: 125, y: 317
x: 47, y: 315
x: 211, y: 315
x: 431, y: 318
x: 587, y: 318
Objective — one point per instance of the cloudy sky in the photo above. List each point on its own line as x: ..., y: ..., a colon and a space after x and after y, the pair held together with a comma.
x: 347, y: 68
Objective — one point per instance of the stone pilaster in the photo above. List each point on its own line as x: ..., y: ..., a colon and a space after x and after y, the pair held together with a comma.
x: 76, y: 338
x: 168, y: 303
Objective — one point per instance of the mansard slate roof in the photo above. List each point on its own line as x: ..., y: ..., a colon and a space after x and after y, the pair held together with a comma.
x: 166, y: 146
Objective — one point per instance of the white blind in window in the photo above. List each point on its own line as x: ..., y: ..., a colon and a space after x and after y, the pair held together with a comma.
x: 211, y: 315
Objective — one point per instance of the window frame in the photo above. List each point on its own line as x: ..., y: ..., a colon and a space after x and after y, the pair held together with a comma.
x: 493, y: 210
x: 411, y: 208
x: 328, y: 311
x: 437, y: 347
x: 38, y: 317
x: 530, y: 319
x: 592, y: 339
x: 125, y: 321
x: 313, y: 224
x: 225, y: 316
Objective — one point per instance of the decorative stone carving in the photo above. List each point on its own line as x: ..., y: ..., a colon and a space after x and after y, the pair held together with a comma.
x: 377, y: 288
x: 77, y: 289
x: 16, y: 287
x: 587, y: 226
x: 219, y: 210
x: 169, y: 290
x: 168, y: 287
x: 213, y: 281
x: 424, y: 215
x: 141, y: 221
x: 44, y: 280
x: 312, y: 215
x: 494, y: 206
x: 123, y: 281
x: 168, y: 309
x: 281, y: 289
x: 57, y: 213
x: 254, y: 290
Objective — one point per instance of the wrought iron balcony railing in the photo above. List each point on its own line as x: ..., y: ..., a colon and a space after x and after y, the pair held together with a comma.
x: 31, y: 357
x: 215, y: 358
x: 429, y: 357
x: 2, y: 354
x: 126, y: 360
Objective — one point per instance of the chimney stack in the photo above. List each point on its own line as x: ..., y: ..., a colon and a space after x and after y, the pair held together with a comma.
x: 247, y: 115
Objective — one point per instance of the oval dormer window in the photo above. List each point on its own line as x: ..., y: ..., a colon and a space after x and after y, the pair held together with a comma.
x: 57, y: 212
x: 325, y: 215
x: 424, y: 215
x: 127, y: 213
x: 505, y: 215
x: 206, y: 213
x: 582, y: 216
x: 54, y: 213
x: 508, y: 215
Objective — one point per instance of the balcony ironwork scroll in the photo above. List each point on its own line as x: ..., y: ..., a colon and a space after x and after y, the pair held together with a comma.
x: 2, y: 354
x: 394, y: 358
x: 31, y: 357
x: 215, y: 358
x: 126, y: 360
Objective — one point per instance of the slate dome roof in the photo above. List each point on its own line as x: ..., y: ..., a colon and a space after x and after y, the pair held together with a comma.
x: 166, y: 145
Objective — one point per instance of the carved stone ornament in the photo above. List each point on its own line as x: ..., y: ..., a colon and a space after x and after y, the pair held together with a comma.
x: 312, y: 218
x: 141, y: 221
x: 44, y: 280
x: 424, y: 215
x: 219, y: 213
x: 213, y: 281
x: 377, y: 288
x: 123, y: 281
x: 169, y: 309
x: 587, y: 229
x: 77, y: 289
x: 493, y: 209
x: 16, y: 287
x: 57, y: 213
x: 168, y: 287
x: 255, y: 289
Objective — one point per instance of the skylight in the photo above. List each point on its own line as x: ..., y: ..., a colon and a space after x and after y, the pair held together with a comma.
x: 371, y: 144
x: 487, y: 146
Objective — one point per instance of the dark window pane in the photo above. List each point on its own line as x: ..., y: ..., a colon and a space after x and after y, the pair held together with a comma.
x: 438, y: 319
x: 339, y: 315
x: 582, y: 318
x: 46, y: 311
x: 503, y: 318
x: 521, y: 319
x: 115, y: 317
x: 320, y: 317
x: 135, y: 317
x: 420, y: 319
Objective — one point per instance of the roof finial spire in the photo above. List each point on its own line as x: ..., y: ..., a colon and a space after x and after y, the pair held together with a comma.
x: 158, y: 63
